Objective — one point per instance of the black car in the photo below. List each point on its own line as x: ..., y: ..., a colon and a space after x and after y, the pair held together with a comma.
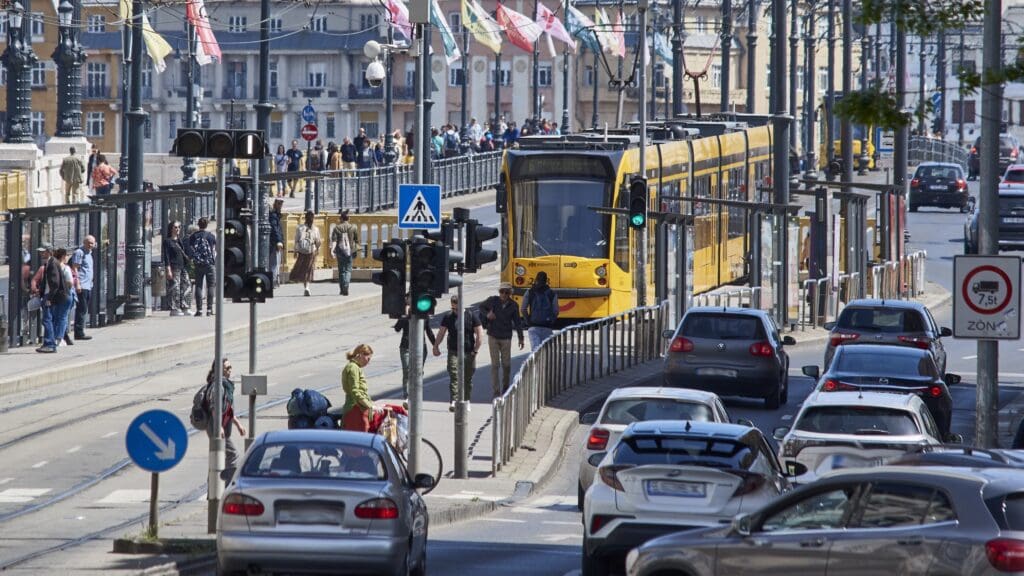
x: 896, y: 369
x: 1009, y: 153
x: 939, y: 184
x: 1011, y: 222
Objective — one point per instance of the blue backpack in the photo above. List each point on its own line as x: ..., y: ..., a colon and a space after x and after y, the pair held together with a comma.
x: 542, y: 308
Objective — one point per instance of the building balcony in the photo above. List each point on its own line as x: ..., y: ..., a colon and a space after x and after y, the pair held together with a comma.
x: 182, y: 92
x: 402, y: 93
x: 365, y: 92
x: 96, y: 92
x: 234, y: 93
x: 274, y: 92
x: 147, y: 92
x: 315, y: 92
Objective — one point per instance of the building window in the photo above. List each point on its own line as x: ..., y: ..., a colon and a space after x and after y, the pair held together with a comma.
x: 38, y: 123
x: 37, y: 26
x: 147, y: 128
x: 275, y: 26
x: 455, y: 76
x: 716, y: 76
x: 506, y: 73
x: 94, y: 124
x: 968, y: 112
x: 369, y: 121
x: 588, y: 76
x: 97, y: 23
x: 236, y: 120
x: 96, y: 84
x: 172, y: 125
x: 147, y: 74
x: 204, y: 120
x: 276, y: 129
x: 319, y: 24
x: 3, y: 23
x: 800, y: 78
x: 3, y: 75
x: 822, y: 79
x: 273, y: 79
x: 455, y: 22
x: 544, y: 72
x: 316, y: 74
x: 368, y: 21
x: 237, y: 23
x: 330, y: 125
x: 39, y: 74
x: 702, y: 24
x: 410, y: 74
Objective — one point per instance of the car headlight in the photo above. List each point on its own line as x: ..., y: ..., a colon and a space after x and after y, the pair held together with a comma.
x: 631, y: 559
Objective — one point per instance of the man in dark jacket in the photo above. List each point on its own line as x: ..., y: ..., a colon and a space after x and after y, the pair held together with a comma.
x: 502, y: 318
x: 348, y: 155
x: 276, y: 239
x: 540, y: 310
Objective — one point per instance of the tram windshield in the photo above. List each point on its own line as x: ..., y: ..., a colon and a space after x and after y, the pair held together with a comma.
x: 552, y: 217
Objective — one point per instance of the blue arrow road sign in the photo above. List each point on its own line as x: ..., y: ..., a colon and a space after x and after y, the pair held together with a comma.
x: 309, y: 114
x: 936, y: 99
x: 419, y: 207
x: 156, y: 440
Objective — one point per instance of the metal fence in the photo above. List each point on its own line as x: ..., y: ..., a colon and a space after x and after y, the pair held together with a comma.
x: 570, y: 357
x: 934, y: 150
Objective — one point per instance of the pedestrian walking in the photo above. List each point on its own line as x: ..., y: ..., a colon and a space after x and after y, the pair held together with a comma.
x: 344, y: 244
x: 358, y: 408
x: 294, y: 157
x: 307, y: 244
x: 276, y: 240
x: 281, y: 162
x: 175, y: 260
x: 540, y: 310
x: 402, y: 325
x: 103, y: 175
x: 72, y: 172
x: 471, y: 345
x: 227, y: 417
x: 56, y: 300
x: 82, y: 266
x: 91, y: 165
x: 501, y: 319
x: 202, y: 248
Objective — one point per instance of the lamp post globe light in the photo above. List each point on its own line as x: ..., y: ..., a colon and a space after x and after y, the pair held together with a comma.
x: 19, y: 59
x: 69, y: 57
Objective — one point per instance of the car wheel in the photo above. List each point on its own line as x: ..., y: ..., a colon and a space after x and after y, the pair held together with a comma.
x: 784, y: 396
x: 772, y: 402
x: 913, y: 208
x: 421, y: 565
x: 592, y: 566
x: 968, y: 249
x: 403, y: 569
x: 963, y: 208
x: 579, y: 496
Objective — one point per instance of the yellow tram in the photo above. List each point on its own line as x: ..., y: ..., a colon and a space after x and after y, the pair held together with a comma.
x: 551, y: 184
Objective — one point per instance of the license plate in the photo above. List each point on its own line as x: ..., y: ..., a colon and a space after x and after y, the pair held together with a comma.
x: 716, y: 372
x: 676, y: 489
x: 310, y: 515
x: 1011, y: 220
x: 937, y: 187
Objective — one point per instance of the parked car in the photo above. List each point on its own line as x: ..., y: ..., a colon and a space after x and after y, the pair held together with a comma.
x: 898, y: 369
x: 1013, y: 177
x: 1009, y: 153
x: 853, y: 429
x: 625, y: 406
x: 666, y: 476
x: 889, y: 520
x: 1011, y: 222
x: 961, y: 457
x: 940, y: 184
x: 325, y: 501
x: 892, y: 322
x: 731, y: 352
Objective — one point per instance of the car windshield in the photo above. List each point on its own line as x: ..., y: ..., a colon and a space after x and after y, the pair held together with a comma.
x: 1014, y: 176
x: 934, y: 172
x: 863, y: 420
x: 629, y: 410
x: 682, y: 450
x: 1010, y: 204
x: 723, y: 327
x: 315, y: 460
x: 881, y: 320
x: 554, y: 217
x: 853, y: 361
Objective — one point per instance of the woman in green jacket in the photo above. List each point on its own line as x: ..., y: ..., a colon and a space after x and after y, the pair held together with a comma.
x: 358, y: 406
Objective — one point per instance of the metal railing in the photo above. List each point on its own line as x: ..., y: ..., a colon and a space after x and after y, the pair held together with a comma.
x: 570, y: 357
x: 816, y: 298
x: 920, y: 149
x: 748, y: 297
x: 885, y: 277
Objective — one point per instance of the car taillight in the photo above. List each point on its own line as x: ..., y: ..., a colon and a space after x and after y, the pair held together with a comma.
x: 761, y: 349
x: 922, y: 343
x: 601, y: 520
x: 377, y: 509
x: 915, y: 183
x: 242, y: 505
x: 751, y: 482
x: 935, y: 391
x: 1005, y: 554
x: 680, y: 344
x: 833, y: 385
x: 610, y: 476
x: 1013, y: 152
x: 961, y: 184
x: 598, y: 439
x: 974, y: 149
x: 838, y: 338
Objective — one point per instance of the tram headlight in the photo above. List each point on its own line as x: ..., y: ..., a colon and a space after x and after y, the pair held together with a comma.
x: 520, y: 270
x: 601, y: 271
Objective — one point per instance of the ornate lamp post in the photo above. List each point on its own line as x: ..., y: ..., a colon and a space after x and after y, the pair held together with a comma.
x: 69, y: 57
x: 19, y: 59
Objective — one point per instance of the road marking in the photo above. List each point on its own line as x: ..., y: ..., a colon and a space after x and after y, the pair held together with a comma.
x: 560, y: 523
x: 125, y: 497
x: 504, y: 520
x: 74, y: 449
x: 561, y: 537
x: 21, y: 495
x: 40, y: 464
x: 548, y: 501
x: 527, y: 510
x: 468, y: 497
x: 787, y: 416
x: 971, y: 357
x: 306, y: 375
x: 5, y: 480
x: 109, y: 434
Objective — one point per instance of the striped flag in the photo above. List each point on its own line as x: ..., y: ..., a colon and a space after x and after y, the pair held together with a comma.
x: 620, y: 36
x: 451, y: 48
x: 521, y: 30
x: 583, y: 28
x: 207, y: 48
x: 553, y: 26
x: 481, y: 25
x: 603, y: 31
x: 398, y: 16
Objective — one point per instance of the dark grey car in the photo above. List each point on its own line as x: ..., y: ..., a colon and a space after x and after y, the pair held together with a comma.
x: 731, y: 352
x: 940, y: 184
x: 887, y: 520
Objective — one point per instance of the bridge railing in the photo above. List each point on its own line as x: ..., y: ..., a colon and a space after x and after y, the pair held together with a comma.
x: 568, y: 358
x: 921, y: 149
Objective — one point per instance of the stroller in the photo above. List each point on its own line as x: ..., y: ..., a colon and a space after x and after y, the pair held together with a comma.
x: 311, y: 409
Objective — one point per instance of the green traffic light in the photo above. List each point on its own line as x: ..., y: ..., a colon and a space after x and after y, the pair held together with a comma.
x: 638, y: 220
x: 423, y: 304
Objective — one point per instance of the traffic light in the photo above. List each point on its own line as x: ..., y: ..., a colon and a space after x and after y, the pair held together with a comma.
x: 219, y: 143
x: 446, y: 258
x: 423, y: 274
x: 236, y: 239
x: 638, y: 203
x: 476, y: 235
x: 391, y: 278
x: 258, y: 285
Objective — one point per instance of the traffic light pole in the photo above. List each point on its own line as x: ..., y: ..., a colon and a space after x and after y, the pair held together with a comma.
x: 642, y: 265
x: 214, y: 485
x: 418, y: 51
x: 461, y: 417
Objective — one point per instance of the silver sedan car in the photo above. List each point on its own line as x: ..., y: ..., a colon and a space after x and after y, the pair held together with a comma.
x: 323, y: 501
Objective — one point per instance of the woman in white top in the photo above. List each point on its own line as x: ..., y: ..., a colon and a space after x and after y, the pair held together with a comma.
x: 307, y: 245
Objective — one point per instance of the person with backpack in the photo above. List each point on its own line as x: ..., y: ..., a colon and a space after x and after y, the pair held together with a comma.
x: 344, y: 244
x: 540, y: 310
x: 473, y: 339
x: 203, y: 405
x: 451, y: 143
x: 202, y: 249
x: 56, y: 300
x: 306, y: 245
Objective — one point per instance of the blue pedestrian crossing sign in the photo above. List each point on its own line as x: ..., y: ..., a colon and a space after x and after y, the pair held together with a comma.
x: 156, y: 441
x: 309, y: 114
x: 419, y: 207
x: 936, y: 99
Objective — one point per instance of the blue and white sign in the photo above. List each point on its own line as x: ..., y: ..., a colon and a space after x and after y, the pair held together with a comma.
x: 419, y: 207
x: 936, y: 100
x: 309, y: 114
x: 156, y: 441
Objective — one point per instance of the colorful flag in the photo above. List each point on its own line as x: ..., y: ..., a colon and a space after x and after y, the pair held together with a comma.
x: 553, y: 26
x: 156, y: 46
x: 663, y: 49
x: 521, y: 30
x: 451, y: 48
x: 481, y: 25
x: 207, y: 48
x: 620, y: 36
x: 398, y: 16
x: 604, y: 31
x: 583, y: 28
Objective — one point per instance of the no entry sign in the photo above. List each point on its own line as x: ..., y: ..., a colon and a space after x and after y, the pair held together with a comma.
x: 309, y: 132
x: 986, y: 297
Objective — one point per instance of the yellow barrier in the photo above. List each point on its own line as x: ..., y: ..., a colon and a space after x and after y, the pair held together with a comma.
x: 13, y: 190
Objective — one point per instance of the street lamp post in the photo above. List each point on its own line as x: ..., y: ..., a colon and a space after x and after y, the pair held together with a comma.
x: 390, y: 154
x: 594, y: 118
x: 752, y: 8
x: 921, y: 129
x: 465, y: 79
x: 135, y: 307
x: 810, y: 94
x: 565, y: 85
x: 865, y: 59
x: 18, y: 57
x: 794, y: 42
x: 69, y: 57
x: 830, y: 147
x: 497, y: 90
x: 536, y: 74
x: 188, y: 163
x: 726, y: 52
x: 845, y: 126
x: 677, y: 62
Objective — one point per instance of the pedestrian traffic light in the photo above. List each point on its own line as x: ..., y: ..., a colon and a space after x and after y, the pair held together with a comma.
x: 422, y: 270
x: 219, y: 143
x: 258, y: 286
x: 391, y: 278
x: 236, y: 239
x: 476, y: 235
x: 638, y: 203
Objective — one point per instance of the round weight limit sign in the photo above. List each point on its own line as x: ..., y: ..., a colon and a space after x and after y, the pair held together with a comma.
x: 986, y: 290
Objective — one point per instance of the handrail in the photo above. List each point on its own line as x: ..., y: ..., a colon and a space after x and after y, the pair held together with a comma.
x: 567, y: 358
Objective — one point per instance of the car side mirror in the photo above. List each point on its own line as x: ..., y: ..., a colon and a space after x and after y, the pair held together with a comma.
x: 780, y: 432
x: 588, y: 418
x: 668, y: 334
x: 954, y: 439
x: 741, y: 525
x: 829, y: 326
x: 944, y: 331
x: 811, y: 371
x: 788, y: 341
x: 423, y: 481
x: 745, y: 422
x: 952, y: 379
